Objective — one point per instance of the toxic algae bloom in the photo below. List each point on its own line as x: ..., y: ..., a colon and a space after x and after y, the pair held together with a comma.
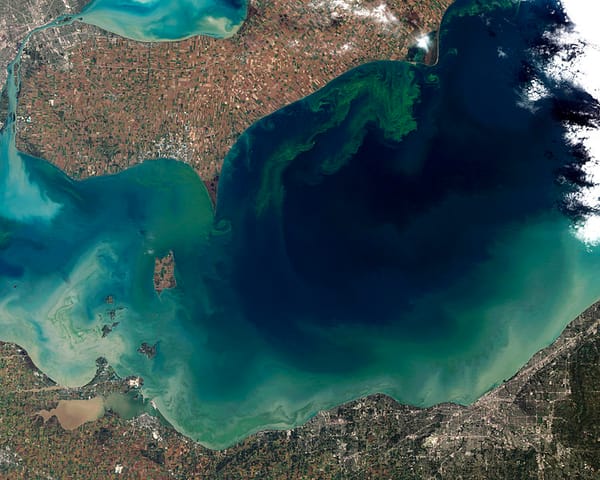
x: 404, y: 230
x: 380, y: 96
x: 473, y: 8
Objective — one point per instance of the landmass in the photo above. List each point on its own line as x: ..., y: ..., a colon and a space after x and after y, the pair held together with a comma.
x: 96, y: 103
x: 107, y: 328
x: 19, y: 18
x: 543, y: 423
x: 164, y: 273
x: 110, y: 314
x: 148, y: 350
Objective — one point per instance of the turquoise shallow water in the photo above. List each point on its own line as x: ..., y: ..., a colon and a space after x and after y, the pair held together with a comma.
x: 163, y: 20
x: 403, y: 230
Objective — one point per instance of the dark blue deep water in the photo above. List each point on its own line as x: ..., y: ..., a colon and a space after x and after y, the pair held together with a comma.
x: 404, y: 230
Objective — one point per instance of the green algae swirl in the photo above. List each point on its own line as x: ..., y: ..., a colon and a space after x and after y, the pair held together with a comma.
x: 399, y: 231
x: 380, y: 95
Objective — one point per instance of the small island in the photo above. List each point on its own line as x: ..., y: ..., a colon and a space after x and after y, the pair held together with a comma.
x: 148, y: 350
x: 164, y: 273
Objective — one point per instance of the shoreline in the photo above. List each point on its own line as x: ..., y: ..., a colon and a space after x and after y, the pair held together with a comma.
x: 587, y: 324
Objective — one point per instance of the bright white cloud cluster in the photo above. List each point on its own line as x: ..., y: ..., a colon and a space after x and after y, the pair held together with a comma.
x: 424, y: 42
x: 533, y: 93
x: 378, y: 14
x: 584, y: 72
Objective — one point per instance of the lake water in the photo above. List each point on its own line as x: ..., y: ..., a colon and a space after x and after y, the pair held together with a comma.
x: 163, y: 20
x: 407, y: 229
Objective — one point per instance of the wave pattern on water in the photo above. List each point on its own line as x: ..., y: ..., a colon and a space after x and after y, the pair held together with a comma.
x: 403, y: 230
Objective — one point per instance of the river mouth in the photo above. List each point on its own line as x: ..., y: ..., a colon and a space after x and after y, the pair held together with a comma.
x: 74, y: 413
x: 402, y: 231
x: 71, y: 414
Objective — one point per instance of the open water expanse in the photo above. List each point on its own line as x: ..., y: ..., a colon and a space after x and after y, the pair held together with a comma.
x: 418, y: 231
x: 165, y: 20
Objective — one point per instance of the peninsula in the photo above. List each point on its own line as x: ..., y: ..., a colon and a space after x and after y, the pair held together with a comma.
x: 94, y: 103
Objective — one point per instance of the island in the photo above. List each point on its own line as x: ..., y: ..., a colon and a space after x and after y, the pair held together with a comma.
x: 542, y: 423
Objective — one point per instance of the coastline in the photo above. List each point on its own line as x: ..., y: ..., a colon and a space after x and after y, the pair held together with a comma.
x: 502, y: 414
x: 369, y: 397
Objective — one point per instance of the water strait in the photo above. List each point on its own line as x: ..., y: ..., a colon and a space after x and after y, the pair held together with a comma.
x: 407, y: 229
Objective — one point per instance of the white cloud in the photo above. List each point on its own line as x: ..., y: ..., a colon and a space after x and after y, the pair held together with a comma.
x: 584, y: 72
x: 378, y: 14
x: 424, y: 42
